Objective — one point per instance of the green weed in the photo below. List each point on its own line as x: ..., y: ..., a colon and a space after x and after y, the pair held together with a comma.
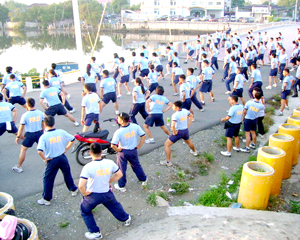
x: 157, y: 173
x: 180, y: 187
x: 209, y: 157
x: 222, y: 141
x: 163, y: 195
x: 270, y: 110
x: 64, y: 224
x: 151, y: 199
x: 295, y: 207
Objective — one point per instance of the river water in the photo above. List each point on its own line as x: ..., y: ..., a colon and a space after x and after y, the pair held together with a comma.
x: 34, y: 49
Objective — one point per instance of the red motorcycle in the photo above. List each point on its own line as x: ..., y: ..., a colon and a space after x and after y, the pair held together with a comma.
x: 85, y: 139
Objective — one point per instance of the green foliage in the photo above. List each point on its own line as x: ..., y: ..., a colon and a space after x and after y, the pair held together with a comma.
x: 286, y: 3
x: 295, y: 207
x: 209, y: 157
x: 3, y: 13
x: 163, y: 195
x: 31, y: 72
x: 270, y: 110
x: 91, y: 12
x: 252, y: 158
x: 272, y: 18
x: 180, y: 187
x: 215, y: 197
x: 118, y: 5
x: 237, y: 3
x: 64, y: 224
x: 151, y: 199
x: 135, y: 7
x: 200, y: 163
x: 222, y: 141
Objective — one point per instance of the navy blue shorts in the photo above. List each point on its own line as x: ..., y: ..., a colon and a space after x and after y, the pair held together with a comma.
x: 159, y: 68
x: 170, y: 63
x: 233, y: 131
x: 285, y: 94
x: 260, y: 57
x: 187, y: 104
x: 58, y: 109
x: 250, y: 125
x: 3, y: 128
x: 182, y: 134
x: 31, y: 138
x: 238, y: 92
x: 176, y: 79
x: 156, y: 118
x: 197, y: 57
x: 124, y: 79
x: 144, y: 73
x: 249, y: 62
x: 89, y: 118
x: 152, y: 87
x: 19, y: 100
x: 206, y: 86
x: 191, y: 53
x: 273, y: 72
x: 111, y: 96
x: 272, y: 51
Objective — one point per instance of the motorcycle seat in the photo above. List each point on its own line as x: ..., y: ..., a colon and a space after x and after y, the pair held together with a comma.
x: 102, y: 134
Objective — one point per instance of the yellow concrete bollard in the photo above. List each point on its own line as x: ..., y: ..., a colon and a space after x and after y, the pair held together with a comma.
x: 285, y: 142
x: 296, y: 112
x: 294, y: 119
x: 255, y: 187
x: 8, y: 204
x: 274, y: 157
x: 293, y: 130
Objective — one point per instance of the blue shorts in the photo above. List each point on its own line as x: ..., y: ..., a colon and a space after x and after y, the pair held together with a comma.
x: 176, y: 79
x: 159, y: 68
x: 111, y: 96
x: 285, y: 94
x: 206, y: 86
x: 272, y: 51
x: 260, y: 57
x: 233, y: 131
x: 170, y: 63
x: 273, y: 72
x: 3, y: 128
x: 19, y: 100
x: 156, y: 118
x: 124, y: 79
x: 187, y: 104
x: 31, y: 138
x: 249, y: 62
x: 58, y: 109
x: 191, y: 53
x: 238, y: 92
x: 144, y: 73
x: 152, y: 87
x: 89, y: 118
x: 182, y: 134
x: 250, y: 125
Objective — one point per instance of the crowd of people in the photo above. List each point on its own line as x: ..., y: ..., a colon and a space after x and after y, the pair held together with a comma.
x: 242, y: 63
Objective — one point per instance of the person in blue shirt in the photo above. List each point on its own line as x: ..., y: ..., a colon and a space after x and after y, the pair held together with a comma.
x: 186, y: 92
x: 296, y: 85
x: 214, y: 58
x: 232, y: 125
x: 89, y: 77
x: 135, y: 64
x: 155, y: 107
x: 176, y: 72
x: 195, y: 84
x: 206, y: 77
x: 125, y: 143
x: 94, y: 184
x: 15, y: 95
x: 8, y: 116
x: 170, y: 59
x: 96, y: 67
x: 145, y: 51
x: 283, y: 62
x: 157, y: 64
x: 243, y: 65
x: 176, y: 58
x: 115, y: 67
x: 52, y: 146
x: 231, y: 74
x: 180, y: 122
x: 256, y: 80
x: 6, y: 78
x: 250, y: 115
x: 198, y: 54
x: 190, y: 51
x: 261, y: 52
x: 108, y: 91
x: 139, y: 94
x: 287, y: 85
x: 273, y: 71
x: 91, y: 108
x: 153, y: 78
x: 124, y: 72
x: 226, y: 63
x: 33, y: 122
x: 55, y: 106
x: 238, y: 86
x: 143, y: 66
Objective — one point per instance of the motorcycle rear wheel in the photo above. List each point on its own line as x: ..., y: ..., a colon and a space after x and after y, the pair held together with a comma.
x: 83, y: 156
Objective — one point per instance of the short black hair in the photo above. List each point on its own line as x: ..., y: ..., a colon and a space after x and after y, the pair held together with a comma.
x: 142, y: 54
x: 178, y: 104
x: 254, y: 65
x: 96, y: 148
x: 106, y: 73
x: 133, y: 54
x: 122, y: 59
x: 175, y: 64
x: 49, y: 121
x: 191, y: 70
x: 88, y: 87
x: 30, y: 102
x: 12, y: 76
x: 235, y: 98
x: 9, y: 69
x: 182, y: 76
x: 124, y: 116
x: 93, y: 58
x: 286, y: 70
x: 206, y: 61
x: 53, y: 65
x: 46, y: 83
x: 258, y: 95
x: 160, y: 90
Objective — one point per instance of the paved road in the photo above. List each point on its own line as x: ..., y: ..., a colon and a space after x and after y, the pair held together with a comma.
x: 30, y: 181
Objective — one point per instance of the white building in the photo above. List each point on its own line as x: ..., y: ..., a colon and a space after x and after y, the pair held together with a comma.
x: 198, y: 8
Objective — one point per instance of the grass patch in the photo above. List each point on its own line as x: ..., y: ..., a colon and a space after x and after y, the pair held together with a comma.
x: 270, y: 110
x: 180, y: 187
x: 151, y: 199
x: 157, y: 173
x: 268, y: 122
x: 209, y: 157
x: 164, y: 195
x: 275, y: 101
x: 64, y: 224
x: 295, y: 207
x: 222, y: 141
x: 202, y: 165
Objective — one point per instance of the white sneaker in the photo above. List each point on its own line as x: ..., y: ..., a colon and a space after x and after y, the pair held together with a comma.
x: 292, y: 70
x: 17, y: 169
x: 145, y: 183
x: 194, y: 153
x: 167, y: 74
x: 129, y: 93
x: 280, y: 114
x: 150, y: 140
x: 119, y: 96
x: 95, y: 236
x: 274, y: 85
x: 269, y: 87
x: 227, y: 92
x: 226, y: 153
x: 287, y: 107
x: 176, y: 94
x: 236, y: 149
x: 193, y: 120
x: 42, y: 201
x: 76, y: 124
x: 128, y: 222
x: 121, y: 189
x: 73, y: 110
x: 68, y: 96
x: 74, y: 193
x: 117, y: 112
x: 166, y: 163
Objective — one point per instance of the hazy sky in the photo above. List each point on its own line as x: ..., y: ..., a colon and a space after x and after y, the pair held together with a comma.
x: 28, y: 2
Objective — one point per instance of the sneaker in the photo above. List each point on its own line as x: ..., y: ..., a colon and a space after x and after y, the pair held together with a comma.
x: 119, y: 96
x: 185, y: 62
x: 90, y: 235
x: 261, y: 136
x: 195, y: 68
x: 76, y: 124
x: 203, y: 103
x: 73, y: 110
x: 117, y: 112
x: 145, y: 183
x: 244, y: 140
x: 150, y: 140
x: 287, y: 107
x: 245, y: 150
x: 168, y: 73
x: 74, y: 193
x: 226, y: 153
x: 68, y: 96
x: 176, y: 94
x: 165, y: 163
x: 202, y: 110
x: 121, y: 189
x: 128, y: 222
x: 252, y: 145
x: 295, y: 95
x: 274, y: 85
x: 236, y: 149
x: 292, y: 70
x: 280, y: 114
x: 17, y: 169
x: 193, y: 120
x: 194, y: 153
x: 42, y: 201
x: 129, y: 93
x: 212, y: 99
x: 269, y: 87
x: 227, y: 92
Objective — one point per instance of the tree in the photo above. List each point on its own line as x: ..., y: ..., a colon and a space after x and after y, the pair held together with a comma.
x: 286, y: 3
x: 237, y: 3
x: 90, y: 12
x: 118, y: 5
x: 135, y: 7
x: 3, y: 13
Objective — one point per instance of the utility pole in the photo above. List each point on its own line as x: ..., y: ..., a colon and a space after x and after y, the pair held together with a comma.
x: 296, y: 9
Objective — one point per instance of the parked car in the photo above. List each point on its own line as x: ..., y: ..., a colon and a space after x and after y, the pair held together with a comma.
x: 177, y: 18
x: 205, y: 18
x: 213, y: 20
x: 197, y: 19
x: 223, y: 19
x: 188, y: 18
x: 233, y: 19
x: 162, y: 18
x: 247, y: 19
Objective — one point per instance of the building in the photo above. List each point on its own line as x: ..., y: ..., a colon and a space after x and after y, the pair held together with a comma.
x: 197, y: 8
